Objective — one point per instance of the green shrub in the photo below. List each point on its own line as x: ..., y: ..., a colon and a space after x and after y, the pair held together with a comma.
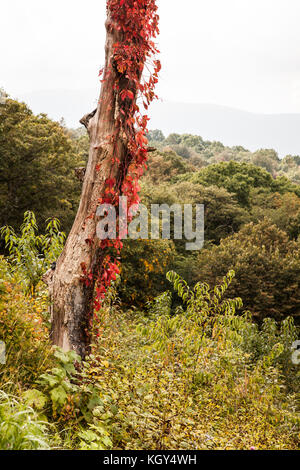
x: 144, y: 266
x: 64, y: 396
x: 267, y: 269
x: 201, y: 377
x: 22, y: 328
x: 32, y: 254
x: 20, y: 427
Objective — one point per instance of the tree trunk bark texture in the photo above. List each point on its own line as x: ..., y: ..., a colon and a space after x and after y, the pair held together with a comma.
x: 72, y: 301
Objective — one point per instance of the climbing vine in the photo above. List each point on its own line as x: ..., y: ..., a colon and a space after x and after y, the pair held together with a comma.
x: 136, y: 70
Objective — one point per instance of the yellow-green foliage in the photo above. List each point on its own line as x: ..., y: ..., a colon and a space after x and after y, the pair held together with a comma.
x: 267, y: 269
x: 32, y: 254
x: 37, y: 161
x: 199, y: 379
x: 20, y: 427
x: 23, y: 330
x: 144, y: 267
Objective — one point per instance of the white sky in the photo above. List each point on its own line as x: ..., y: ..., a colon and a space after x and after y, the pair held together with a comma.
x: 238, y: 53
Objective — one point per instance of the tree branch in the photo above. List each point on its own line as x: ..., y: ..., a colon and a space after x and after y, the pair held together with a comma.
x: 86, y: 119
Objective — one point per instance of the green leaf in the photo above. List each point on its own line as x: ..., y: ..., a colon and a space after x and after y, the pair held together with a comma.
x: 59, y: 395
x: 35, y: 398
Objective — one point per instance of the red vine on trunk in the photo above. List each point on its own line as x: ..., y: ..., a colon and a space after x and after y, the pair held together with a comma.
x: 137, y: 24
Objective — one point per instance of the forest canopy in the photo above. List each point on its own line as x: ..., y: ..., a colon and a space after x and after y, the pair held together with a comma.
x: 38, y: 161
x: 173, y: 321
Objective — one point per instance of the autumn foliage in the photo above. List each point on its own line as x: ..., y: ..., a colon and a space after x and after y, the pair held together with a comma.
x: 137, y: 22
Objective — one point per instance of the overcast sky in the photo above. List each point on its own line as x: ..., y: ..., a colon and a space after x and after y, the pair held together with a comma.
x: 238, y: 53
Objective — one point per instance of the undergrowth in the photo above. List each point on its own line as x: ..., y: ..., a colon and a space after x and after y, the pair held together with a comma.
x: 204, y: 376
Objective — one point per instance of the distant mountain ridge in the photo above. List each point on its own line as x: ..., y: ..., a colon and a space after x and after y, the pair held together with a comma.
x: 230, y: 126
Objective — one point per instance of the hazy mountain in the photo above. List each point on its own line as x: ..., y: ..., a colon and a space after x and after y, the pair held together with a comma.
x: 71, y: 105
x: 212, y: 122
x: 230, y: 126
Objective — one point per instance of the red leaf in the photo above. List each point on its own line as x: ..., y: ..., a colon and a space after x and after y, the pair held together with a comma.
x: 130, y: 94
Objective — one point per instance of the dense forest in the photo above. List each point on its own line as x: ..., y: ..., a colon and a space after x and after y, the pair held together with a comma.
x: 191, y: 350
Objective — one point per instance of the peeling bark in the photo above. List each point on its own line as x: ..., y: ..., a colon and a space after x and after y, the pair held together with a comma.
x: 71, y: 300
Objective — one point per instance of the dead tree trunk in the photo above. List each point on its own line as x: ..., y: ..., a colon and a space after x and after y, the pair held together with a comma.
x: 71, y: 299
x: 117, y: 140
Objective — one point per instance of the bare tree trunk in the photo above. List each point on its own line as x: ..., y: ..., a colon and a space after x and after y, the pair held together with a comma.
x: 72, y: 300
